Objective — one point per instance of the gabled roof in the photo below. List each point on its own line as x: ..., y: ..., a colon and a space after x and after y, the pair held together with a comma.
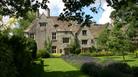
x: 66, y: 26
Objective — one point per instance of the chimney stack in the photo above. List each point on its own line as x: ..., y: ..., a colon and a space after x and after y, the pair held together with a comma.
x: 48, y: 12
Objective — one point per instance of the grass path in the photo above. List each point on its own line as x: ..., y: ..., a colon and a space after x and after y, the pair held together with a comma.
x: 57, y: 67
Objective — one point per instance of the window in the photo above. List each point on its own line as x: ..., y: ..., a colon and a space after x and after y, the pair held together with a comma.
x: 65, y: 40
x: 42, y: 23
x: 54, y: 49
x: 84, y: 32
x: 53, y: 35
x: 92, y: 41
x: 31, y: 35
x: 84, y: 41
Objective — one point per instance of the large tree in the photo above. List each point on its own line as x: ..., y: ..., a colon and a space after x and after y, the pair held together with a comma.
x: 19, y: 8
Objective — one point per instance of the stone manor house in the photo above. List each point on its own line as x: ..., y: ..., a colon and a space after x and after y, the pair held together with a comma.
x: 61, y: 33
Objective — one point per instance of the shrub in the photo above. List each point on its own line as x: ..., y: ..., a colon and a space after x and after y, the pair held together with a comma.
x: 21, y: 55
x: 42, y: 53
x: 56, y: 55
x: 102, y: 53
x: 92, y: 69
x: 32, y: 47
x: 116, y: 70
x: 135, y: 71
x: 136, y: 52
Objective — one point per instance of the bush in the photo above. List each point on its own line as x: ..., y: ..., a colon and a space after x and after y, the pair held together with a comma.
x: 102, y: 53
x: 135, y: 71
x: 116, y: 70
x: 21, y: 55
x: 109, y: 70
x: 136, y: 52
x: 32, y: 47
x: 56, y: 55
x: 43, y: 53
x: 92, y: 69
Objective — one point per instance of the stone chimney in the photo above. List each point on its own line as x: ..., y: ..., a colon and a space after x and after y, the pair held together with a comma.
x: 47, y: 12
x: 37, y: 13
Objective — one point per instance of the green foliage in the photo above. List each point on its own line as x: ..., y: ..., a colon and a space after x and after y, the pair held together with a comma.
x: 115, y: 69
x: 102, y: 53
x: 21, y: 55
x: 92, y: 69
x: 15, y: 56
x: 135, y: 71
x: 75, y: 47
x: 43, y: 54
x: 55, y: 55
x: 7, y: 68
x: 136, y: 52
x: 48, y: 45
x: 24, y: 23
x: 32, y: 47
x: 21, y: 7
x: 103, y: 39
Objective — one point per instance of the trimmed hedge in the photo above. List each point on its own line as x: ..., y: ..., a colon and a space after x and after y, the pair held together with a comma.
x: 115, y: 69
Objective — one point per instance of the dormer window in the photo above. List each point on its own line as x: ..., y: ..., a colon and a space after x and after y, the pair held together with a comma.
x: 42, y: 23
x: 69, y: 24
x: 84, y: 32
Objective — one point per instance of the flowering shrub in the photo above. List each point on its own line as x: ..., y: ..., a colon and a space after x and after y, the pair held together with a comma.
x: 78, y: 60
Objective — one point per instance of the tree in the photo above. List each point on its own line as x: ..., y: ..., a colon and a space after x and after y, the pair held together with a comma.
x: 19, y: 8
x: 24, y: 23
x: 75, y: 46
x: 103, y: 39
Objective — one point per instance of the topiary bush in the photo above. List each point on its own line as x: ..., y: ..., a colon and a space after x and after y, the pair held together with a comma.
x: 92, y: 69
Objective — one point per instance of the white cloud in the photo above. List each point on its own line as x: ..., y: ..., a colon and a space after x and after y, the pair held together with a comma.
x: 105, y: 16
x: 55, y: 6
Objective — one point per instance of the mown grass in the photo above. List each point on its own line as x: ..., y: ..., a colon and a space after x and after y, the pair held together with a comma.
x: 56, y: 67
x: 130, y: 59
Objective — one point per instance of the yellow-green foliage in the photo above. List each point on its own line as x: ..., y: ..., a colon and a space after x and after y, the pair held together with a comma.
x: 102, y: 53
x: 56, y: 55
x: 42, y: 53
x: 136, y: 52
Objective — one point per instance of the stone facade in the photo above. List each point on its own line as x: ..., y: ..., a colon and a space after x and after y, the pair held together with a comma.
x: 61, y: 33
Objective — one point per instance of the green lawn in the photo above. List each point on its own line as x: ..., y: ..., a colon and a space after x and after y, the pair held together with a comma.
x: 56, y: 67
x: 130, y: 59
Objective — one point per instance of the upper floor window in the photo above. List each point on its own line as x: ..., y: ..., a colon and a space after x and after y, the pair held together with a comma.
x: 42, y: 23
x: 84, y: 32
x: 84, y: 41
x: 53, y: 35
x: 92, y: 41
x: 65, y: 40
